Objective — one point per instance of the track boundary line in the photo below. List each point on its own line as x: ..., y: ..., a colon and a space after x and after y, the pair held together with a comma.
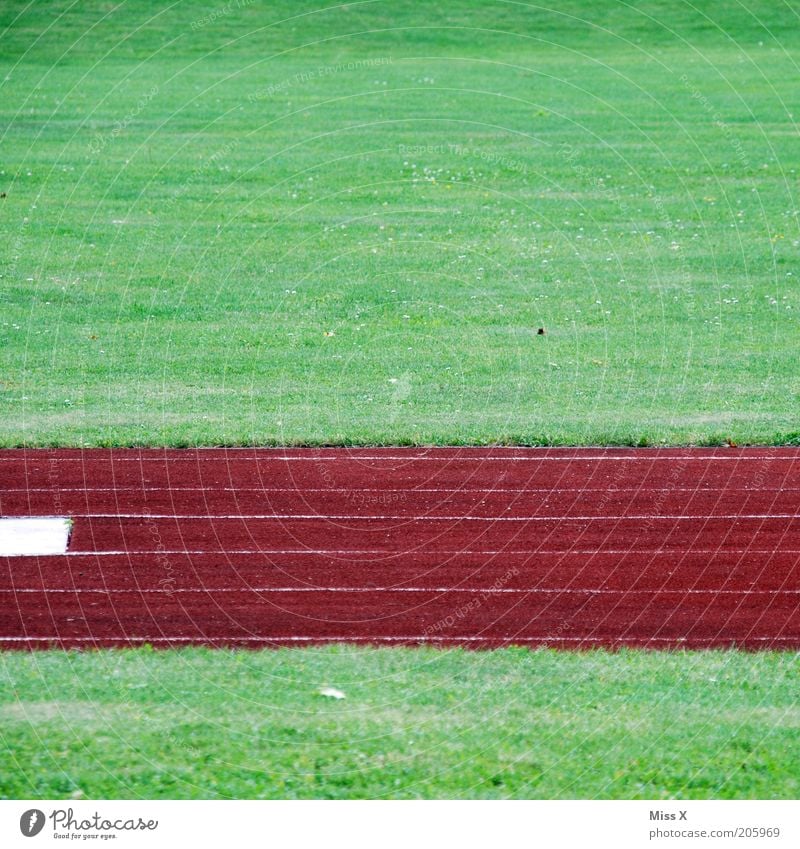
x: 416, y: 552
x: 410, y: 491
x: 431, y: 518
x: 419, y: 638
x: 626, y: 458
x: 448, y: 590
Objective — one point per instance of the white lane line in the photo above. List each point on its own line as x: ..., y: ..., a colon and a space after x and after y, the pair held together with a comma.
x: 360, y: 517
x: 34, y: 536
x: 390, y: 553
x: 422, y: 449
x: 448, y: 590
x: 357, y: 458
x: 418, y: 638
x: 353, y: 492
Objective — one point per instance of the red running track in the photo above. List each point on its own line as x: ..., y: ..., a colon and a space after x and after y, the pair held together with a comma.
x: 573, y: 548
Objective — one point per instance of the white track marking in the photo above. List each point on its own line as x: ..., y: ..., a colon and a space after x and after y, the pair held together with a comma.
x: 386, y: 553
x: 722, y: 489
x: 201, y: 639
x: 356, y: 458
x: 448, y: 590
x: 357, y: 517
x: 33, y: 536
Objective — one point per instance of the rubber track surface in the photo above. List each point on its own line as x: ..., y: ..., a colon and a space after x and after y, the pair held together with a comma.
x: 456, y: 546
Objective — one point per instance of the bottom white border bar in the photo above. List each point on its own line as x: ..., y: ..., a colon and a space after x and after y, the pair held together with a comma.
x: 403, y: 825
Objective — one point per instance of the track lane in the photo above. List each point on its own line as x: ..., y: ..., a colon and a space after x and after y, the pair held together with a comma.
x: 359, y: 469
x: 552, y: 571
x: 415, y: 537
x: 717, y: 619
x: 555, y: 502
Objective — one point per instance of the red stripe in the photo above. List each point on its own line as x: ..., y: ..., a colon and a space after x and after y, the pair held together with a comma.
x: 655, y: 580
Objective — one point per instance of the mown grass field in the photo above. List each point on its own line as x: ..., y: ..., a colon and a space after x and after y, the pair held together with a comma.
x: 259, y: 223
x: 422, y: 723
x: 241, y: 223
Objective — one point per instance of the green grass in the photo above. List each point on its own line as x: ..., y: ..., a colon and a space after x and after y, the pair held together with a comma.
x: 415, y: 723
x: 193, y: 204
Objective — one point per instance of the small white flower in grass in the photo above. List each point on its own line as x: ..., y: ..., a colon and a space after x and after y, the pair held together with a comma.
x: 331, y: 693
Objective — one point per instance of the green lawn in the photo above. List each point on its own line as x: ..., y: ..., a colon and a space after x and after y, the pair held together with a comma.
x: 263, y: 222
x: 422, y: 723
